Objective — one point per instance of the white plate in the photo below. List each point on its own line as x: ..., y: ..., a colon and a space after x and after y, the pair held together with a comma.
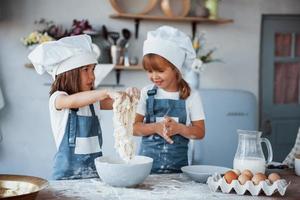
x: 200, y: 173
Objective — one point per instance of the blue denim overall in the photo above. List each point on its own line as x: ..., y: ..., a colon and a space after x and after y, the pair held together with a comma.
x: 167, y: 158
x: 67, y: 164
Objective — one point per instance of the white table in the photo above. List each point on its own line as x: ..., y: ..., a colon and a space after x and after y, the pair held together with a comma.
x: 165, y: 186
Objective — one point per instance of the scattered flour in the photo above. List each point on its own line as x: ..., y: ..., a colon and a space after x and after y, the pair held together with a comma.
x: 163, y: 186
x: 124, y: 108
x: 82, y: 172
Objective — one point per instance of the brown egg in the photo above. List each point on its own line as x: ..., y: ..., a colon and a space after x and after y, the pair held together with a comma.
x: 243, y: 178
x: 274, y: 177
x: 258, y: 178
x: 248, y: 173
x: 230, y: 176
x: 238, y: 172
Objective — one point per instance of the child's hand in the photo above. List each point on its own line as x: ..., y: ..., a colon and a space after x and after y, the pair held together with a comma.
x: 162, y: 131
x: 133, y: 92
x: 116, y: 95
x: 172, y: 127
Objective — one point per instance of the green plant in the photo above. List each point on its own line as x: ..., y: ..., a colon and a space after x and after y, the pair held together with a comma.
x: 205, y: 55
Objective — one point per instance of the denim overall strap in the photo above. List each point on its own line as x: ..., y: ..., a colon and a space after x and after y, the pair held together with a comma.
x: 98, y: 131
x: 92, y: 110
x: 167, y: 158
x: 80, y: 145
x: 150, y: 117
x: 72, y: 126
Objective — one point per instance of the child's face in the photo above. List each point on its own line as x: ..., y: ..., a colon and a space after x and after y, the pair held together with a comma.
x: 164, y: 78
x: 87, y: 77
x: 161, y: 72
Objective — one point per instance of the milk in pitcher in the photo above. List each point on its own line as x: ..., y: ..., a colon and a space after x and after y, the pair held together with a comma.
x: 254, y: 164
x: 249, y: 154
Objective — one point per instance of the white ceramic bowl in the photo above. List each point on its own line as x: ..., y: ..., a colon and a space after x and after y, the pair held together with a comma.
x: 116, y: 172
x: 200, y: 173
x: 297, y: 165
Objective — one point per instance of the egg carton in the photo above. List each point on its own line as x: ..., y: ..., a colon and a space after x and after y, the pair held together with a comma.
x: 216, y: 182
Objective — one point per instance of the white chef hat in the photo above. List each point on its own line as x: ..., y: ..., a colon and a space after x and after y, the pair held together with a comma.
x: 56, y: 57
x: 173, y: 45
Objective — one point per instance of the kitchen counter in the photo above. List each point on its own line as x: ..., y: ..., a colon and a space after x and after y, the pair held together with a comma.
x: 165, y: 186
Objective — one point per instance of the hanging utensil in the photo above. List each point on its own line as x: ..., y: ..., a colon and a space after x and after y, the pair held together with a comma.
x: 126, y: 36
x: 126, y: 33
x: 104, y: 32
x: 114, y: 36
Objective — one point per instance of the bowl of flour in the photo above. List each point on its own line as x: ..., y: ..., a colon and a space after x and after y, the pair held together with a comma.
x: 119, y: 173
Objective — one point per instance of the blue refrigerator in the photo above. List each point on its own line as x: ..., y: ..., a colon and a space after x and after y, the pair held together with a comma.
x: 225, y: 112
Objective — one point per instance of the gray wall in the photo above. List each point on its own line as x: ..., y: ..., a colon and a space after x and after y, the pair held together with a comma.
x: 28, y: 147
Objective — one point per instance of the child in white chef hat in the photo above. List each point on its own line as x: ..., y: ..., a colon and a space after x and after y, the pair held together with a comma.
x: 74, y: 120
x: 169, y: 113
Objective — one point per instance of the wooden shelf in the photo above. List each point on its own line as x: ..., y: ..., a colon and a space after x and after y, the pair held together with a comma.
x: 28, y: 65
x: 129, y: 68
x: 193, y: 20
x: 177, y: 19
x: 117, y: 67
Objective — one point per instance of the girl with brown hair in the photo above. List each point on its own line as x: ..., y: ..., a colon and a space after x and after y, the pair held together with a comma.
x: 169, y: 113
x: 74, y: 104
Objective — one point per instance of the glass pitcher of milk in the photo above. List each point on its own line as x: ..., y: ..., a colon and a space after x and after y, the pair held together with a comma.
x: 249, y: 154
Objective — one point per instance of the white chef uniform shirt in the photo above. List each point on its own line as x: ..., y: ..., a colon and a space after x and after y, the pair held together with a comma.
x: 194, y: 108
x: 59, y: 118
